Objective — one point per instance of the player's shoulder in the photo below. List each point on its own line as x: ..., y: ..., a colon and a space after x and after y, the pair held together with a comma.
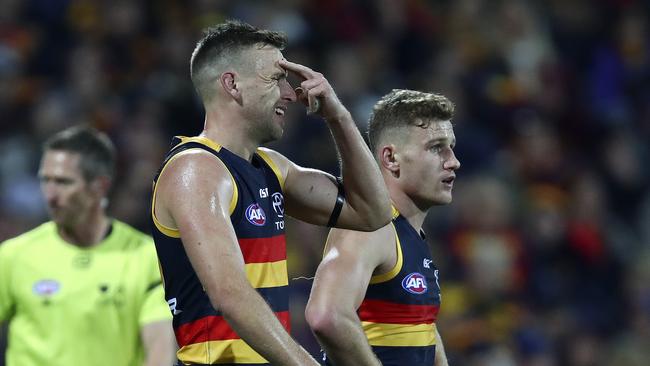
x: 195, y: 163
x: 362, y: 240
x: 40, y: 235
x: 350, y: 246
x: 278, y: 162
x: 266, y: 151
x: 192, y: 174
x: 191, y: 157
x: 273, y: 155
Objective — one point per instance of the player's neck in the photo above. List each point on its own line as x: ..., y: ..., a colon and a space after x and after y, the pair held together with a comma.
x: 88, y: 232
x: 407, y: 208
x: 229, y: 133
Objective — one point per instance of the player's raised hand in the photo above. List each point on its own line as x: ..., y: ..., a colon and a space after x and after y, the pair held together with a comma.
x: 315, y: 91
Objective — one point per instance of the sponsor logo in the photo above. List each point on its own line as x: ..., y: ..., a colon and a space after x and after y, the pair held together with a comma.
x: 255, y: 215
x: 278, y: 203
x: 427, y: 263
x: 46, y: 287
x: 264, y: 192
x: 415, y: 283
x: 172, y: 306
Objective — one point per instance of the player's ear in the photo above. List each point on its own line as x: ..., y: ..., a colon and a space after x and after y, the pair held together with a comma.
x: 389, y: 159
x: 229, y: 84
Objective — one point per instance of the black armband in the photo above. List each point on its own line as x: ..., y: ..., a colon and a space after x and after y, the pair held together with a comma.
x: 340, y: 198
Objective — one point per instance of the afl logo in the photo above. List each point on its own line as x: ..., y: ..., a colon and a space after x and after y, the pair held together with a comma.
x: 255, y: 215
x: 46, y: 287
x: 415, y: 283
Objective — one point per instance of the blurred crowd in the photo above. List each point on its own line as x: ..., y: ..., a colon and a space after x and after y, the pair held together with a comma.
x: 545, y: 252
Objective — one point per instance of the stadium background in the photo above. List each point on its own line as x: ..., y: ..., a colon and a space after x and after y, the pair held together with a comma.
x: 544, y: 253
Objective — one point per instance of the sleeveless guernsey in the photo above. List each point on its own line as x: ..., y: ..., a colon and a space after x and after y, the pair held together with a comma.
x: 257, y: 216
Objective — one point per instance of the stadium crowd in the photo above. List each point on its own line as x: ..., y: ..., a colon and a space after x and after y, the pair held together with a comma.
x: 544, y: 254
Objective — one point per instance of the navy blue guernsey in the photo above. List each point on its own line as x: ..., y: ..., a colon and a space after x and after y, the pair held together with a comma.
x: 257, y: 216
x: 399, y: 310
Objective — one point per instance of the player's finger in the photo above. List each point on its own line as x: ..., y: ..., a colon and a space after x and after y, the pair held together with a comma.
x: 299, y: 69
x: 310, y: 100
x: 314, y: 104
x: 311, y: 83
x: 302, y: 96
x: 314, y: 98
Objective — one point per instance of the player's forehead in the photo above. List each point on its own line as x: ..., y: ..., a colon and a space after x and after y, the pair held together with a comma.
x: 266, y: 58
x: 432, y: 132
x: 435, y: 130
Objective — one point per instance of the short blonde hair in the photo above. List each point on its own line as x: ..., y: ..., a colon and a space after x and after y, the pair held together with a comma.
x: 402, y: 108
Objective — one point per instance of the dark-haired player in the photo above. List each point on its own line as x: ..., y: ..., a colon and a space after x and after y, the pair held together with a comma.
x: 219, y: 200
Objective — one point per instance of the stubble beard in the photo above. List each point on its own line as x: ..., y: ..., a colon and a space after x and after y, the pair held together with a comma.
x: 264, y: 128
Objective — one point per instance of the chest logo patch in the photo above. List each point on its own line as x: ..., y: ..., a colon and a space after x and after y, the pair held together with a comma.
x: 255, y: 215
x: 415, y: 283
x: 46, y: 287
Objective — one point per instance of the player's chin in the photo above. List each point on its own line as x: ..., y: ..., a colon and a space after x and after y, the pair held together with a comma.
x: 444, y: 198
x: 277, y: 135
x: 273, y: 134
x: 277, y: 130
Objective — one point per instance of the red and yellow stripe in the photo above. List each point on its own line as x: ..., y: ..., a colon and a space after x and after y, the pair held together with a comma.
x: 212, y: 352
x: 266, y: 261
x: 214, y: 328
x: 380, y: 311
x: 259, y: 250
x: 211, y: 339
x: 400, y: 335
x: 398, y: 325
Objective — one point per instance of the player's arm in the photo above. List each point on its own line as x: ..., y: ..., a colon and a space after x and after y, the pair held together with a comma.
x: 195, y: 193
x: 441, y: 356
x: 339, y: 288
x: 310, y: 194
x: 159, y: 344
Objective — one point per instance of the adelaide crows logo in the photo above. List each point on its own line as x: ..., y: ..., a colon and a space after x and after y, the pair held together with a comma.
x: 255, y: 215
x: 415, y: 283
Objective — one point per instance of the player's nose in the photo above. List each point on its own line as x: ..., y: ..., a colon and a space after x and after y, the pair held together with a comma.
x: 452, y: 163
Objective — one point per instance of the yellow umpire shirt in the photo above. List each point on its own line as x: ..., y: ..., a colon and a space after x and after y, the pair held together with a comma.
x: 68, y: 305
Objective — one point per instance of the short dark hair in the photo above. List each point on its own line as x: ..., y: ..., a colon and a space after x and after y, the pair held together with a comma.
x: 96, y: 150
x: 222, y: 41
x: 402, y: 108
